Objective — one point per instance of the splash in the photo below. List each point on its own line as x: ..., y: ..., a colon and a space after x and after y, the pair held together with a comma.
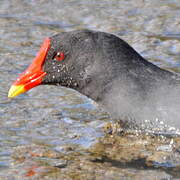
x: 157, y: 111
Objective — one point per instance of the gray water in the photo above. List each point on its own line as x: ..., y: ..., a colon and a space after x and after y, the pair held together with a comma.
x: 53, y: 116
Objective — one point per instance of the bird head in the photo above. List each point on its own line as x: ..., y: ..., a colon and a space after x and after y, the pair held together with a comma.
x: 62, y: 59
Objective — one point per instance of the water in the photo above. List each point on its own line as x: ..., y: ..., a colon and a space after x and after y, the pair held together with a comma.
x: 62, y: 120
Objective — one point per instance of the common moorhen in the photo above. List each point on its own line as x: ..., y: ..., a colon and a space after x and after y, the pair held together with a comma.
x: 97, y: 64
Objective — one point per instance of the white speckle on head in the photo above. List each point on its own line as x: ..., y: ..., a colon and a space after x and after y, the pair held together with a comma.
x: 54, y: 67
x: 86, y: 40
x: 58, y: 70
x: 53, y: 77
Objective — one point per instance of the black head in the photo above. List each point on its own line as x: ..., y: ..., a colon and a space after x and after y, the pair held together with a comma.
x: 76, y: 59
x: 68, y: 58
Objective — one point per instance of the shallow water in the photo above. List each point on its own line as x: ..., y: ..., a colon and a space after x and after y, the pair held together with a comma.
x: 62, y: 120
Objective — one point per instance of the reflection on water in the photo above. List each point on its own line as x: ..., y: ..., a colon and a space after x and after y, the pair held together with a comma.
x: 60, y: 119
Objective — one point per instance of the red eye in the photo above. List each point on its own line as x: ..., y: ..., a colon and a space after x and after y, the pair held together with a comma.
x: 59, y: 56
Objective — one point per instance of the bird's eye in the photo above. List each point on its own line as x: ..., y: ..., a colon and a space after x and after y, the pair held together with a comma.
x: 59, y: 56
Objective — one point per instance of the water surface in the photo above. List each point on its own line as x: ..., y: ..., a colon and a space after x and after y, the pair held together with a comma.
x: 56, y: 121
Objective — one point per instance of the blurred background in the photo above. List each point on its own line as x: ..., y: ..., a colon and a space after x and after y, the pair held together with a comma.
x: 54, y: 117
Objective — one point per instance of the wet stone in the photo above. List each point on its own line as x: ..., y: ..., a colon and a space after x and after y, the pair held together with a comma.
x: 113, y: 156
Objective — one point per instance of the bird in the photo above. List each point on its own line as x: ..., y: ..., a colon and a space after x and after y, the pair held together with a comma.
x: 100, y: 66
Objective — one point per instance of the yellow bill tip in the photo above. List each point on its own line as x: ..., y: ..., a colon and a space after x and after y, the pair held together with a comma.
x: 16, y: 90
